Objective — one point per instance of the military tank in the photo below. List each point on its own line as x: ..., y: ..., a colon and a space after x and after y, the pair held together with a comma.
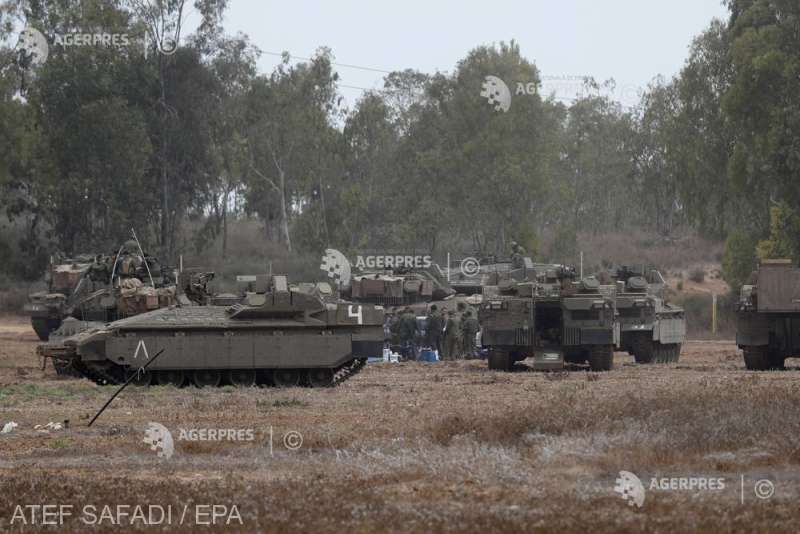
x: 398, y: 287
x: 553, y: 318
x: 277, y: 335
x: 768, y: 315
x: 651, y: 329
x: 470, y: 275
x: 64, y: 279
x: 100, y: 288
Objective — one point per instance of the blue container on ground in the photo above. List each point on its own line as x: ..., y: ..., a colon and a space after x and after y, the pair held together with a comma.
x: 428, y: 356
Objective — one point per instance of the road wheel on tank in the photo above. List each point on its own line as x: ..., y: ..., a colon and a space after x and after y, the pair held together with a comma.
x: 65, y: 368
x: 601, y: 357
x: 207, y: 378
x: 499, y: 360
x: 286, y: 378
x: 142, y: 378
x: 171, y: 377
x: 320, y: 378
x: 644, y: 350
x: 242, y: 378
x: 755, y: 358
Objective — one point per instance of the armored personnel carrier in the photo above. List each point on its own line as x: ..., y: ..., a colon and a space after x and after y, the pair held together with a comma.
x: 48, y: 308
x: 651, y: 329
x: 471, y: 275
x: 768, y: 315
x: 553, y: 318
x: 399, y: 287
x: 277, y: 335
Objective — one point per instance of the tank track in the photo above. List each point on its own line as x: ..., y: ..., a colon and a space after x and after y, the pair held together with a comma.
x: 103, y: 378
x: 97, y: 375
x: 348, y: 370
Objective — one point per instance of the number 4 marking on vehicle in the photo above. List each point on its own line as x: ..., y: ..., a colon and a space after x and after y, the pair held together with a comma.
x: 356, y: 315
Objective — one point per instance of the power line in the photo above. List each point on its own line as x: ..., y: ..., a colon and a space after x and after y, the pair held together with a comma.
x: 345, y: 65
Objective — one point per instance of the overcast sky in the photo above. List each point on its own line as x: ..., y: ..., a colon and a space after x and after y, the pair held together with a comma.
x: 631, y: 41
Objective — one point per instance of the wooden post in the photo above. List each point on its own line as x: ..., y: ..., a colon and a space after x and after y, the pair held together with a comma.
x: 714, y: 313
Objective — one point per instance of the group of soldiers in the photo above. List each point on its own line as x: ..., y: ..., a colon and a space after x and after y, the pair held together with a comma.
x: 451, y: 333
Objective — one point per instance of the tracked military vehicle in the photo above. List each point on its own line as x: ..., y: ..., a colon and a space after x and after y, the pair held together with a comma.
x: 651, y: 329
x: 64, y: 280
x: 768, y: 316
x: 277, y: 335
x: 399, y: 287
x: 553, y: 318
x: 471, y: 275
x: 100, y: 288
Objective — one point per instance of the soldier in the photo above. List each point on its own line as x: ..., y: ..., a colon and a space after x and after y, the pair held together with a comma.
x: 469, y: 329
x: 517, y: 255
x: 434, y: 330
x: 452, y: 335
x: 98, y: 272
x: 408, y: 334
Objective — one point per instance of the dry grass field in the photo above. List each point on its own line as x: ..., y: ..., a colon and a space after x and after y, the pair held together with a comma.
x: 411, y: 447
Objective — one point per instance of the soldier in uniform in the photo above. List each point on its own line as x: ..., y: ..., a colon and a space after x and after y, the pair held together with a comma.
x: 469, y: 329
x: 452, y: 336
x: 408, y: 334
x: 517, y: 255
x: 434, y: 329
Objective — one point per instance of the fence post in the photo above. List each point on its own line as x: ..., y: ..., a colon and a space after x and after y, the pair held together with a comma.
x: 714, y: 313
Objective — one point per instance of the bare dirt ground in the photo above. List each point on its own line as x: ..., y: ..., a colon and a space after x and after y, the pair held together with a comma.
x: 410, y: 447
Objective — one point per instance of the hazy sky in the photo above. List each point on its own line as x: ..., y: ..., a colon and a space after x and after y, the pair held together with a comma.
x: 629, y: 40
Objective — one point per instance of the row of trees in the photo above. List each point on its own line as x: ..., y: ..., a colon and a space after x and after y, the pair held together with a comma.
x: 98, y: 139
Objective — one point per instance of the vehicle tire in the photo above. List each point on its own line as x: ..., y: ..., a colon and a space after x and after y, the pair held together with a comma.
x: 286, y: 378
x: 207, y: 378
x: 644, y: 350
x: 173, y: 377
x: 500, y: 360
x: 242, y: 378
x: 601, y: 357
x: 320, y: 378
x: 756, y: 358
